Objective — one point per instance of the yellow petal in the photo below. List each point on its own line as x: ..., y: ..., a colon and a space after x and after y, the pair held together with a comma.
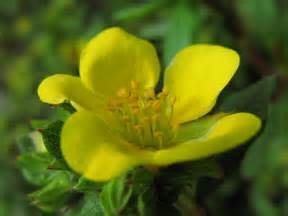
x: 60, y: 87
x: 92, y: 150
x: 196, y: 76
x: 229, y: 132
x: 113, y: 58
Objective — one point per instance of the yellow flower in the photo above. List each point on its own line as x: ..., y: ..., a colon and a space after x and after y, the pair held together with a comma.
x: 121, y: 122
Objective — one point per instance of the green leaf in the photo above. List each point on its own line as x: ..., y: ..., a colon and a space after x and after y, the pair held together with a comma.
x: 36, y: 123
x: 51, y: 137
x: 146, y: 202
x: 115, y: 195
x: 89, y: 206
x: 142, y: 182
x: 34, y: 167
x: 138, y: 11
x: 85, y: 185
x: 267, y: 149
x: 55, y: 194
x: 186, y: 202
x: 186, y: 173
x: 67, y: 107
x: 253, y: 99
x: 184, y: 22
x: 25, y: 144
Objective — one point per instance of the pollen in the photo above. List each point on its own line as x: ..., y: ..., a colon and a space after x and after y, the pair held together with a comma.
x: 145, y: 118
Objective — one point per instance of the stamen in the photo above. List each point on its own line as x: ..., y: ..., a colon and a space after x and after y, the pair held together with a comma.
x: 122, y: 93
x: 146, y: 117
x: 149, y: 93
x: 157, y: 105
x: 134, y: 85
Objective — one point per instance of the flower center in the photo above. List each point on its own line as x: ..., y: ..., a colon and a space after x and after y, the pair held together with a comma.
x: 145, y: 117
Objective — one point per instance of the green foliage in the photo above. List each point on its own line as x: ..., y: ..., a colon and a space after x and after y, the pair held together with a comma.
x: 54, y: 194
x: 89, y: 206
x: 115, y: 196
x: 253, y: 99
x: 51, y: 138
x: 186, y: 21
x: 269, y: 153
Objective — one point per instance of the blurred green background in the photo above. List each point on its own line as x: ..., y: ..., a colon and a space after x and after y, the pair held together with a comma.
x: 40, y: 38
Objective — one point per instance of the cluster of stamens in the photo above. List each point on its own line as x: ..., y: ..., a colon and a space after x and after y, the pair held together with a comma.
x: 145, y: 117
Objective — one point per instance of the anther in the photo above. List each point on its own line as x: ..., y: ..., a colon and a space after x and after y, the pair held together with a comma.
x: 122, y: 93
x: 155, y: 117
x: 164, y: 93
x: 158, y: 134
x: 134, y: 105
x: 157, y: 105
x: 149, y: 93
x: 135, y: 111
x: 173, y: 100
x: 126, y: 119
x: 134, y: 84
x: 113, y: 104
x: 146, y: 119
x: 133, y: 98
x: 137, y: 128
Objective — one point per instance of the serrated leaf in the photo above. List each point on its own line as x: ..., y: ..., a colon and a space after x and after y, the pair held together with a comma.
x: 51, y: 137
x: 55, y: 194
x: 89, y: 206
x: 253, y: 99
x: 115, y: 195
x: 92, y: 206
x: 31, y: 142
x: 67, y: 107
x: 34, y: 167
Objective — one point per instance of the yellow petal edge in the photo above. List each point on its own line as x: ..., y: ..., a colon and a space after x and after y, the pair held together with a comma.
x: 57, y: 88
x: 229, y: 132
x: 196, y: 76
x: 113, y: 58
x: 92, y: 150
